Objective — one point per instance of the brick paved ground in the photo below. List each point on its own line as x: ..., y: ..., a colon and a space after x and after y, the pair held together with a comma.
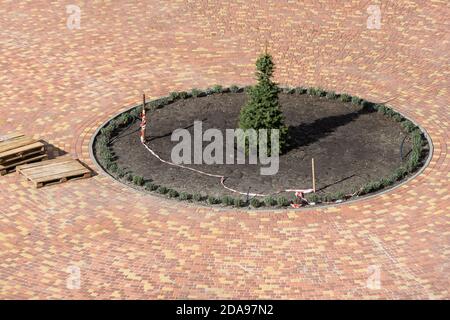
x: 61, y: 84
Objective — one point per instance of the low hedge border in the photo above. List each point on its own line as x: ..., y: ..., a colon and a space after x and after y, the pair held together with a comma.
x: 106, y: 158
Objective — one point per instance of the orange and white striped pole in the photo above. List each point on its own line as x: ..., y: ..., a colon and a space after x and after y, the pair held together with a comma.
x: 143, y: 121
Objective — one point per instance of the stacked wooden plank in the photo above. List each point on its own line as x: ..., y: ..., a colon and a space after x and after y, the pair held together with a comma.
x: 54, y: 171
x: 17, y: 149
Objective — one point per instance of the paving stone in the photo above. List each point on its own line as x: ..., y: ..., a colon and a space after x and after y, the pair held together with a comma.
x: 60, y: 85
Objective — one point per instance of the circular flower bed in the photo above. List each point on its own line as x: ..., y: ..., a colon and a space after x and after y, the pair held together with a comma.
x: 360, y: 147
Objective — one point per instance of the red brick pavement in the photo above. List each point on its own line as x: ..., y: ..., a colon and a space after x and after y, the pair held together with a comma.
x: 61, y: 84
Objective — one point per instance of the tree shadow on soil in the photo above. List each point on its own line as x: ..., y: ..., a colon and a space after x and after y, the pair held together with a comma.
x: 335, y: 183
x: 308, y: 133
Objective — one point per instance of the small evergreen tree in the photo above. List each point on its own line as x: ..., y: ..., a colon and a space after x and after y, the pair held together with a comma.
x: 262, y: 110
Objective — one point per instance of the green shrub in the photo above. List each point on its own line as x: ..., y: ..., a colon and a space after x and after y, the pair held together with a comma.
x: 262, y: 110
x: 209, y: 91
x: 112, y: 125
x: 386, y: 182
x: 340, y: 195
x: 129, y: 177
x: 138, y: 180
x: 105, y: 154
x: 413, y: 162
x: 367, y: 105
x: 197, y: 197
x: 238, y: 202
x: 124, y: 119
x: 156, y: 104
x: 120, y: 172
x: 320, y: 92
x: 174, y: 95
x: 255, y: 203
x: 173, y: 193
x: 414, y: 158
x: 217, y: 88
x: 311, y: 91
x: 196, y: 92
x: 397, y: 117
x: 103, y: 150
x: 185, y: 196
x: 389, y: 112
x: 416, y: 138
x: 102, y: 141
x: 300, y: 90
x: 162, y: 190
x: 234, y: 89
x: 331, y: 95
x: 227, y: 200
x: 312, y: 197
x: 399, y: 173
x: 315, y: 91
x: 107, y: 132
x: 213, y: 200
x: 183, y: 95
x: 269, y: 201
x: 371, y: 187
x: 282, y: 201
x: 382, y: 109
x: 356, y: 100
x: 106, y: 163
x: 113, y: 167
x: 136, y: 112
x: 344, y: 97
x: 159, y: 103
x: 288, y: 90
x: 408, y: 126
x: 150, y: 186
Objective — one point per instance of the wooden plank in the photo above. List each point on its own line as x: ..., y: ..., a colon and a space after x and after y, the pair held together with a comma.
x: 52, y: 182
x: 25, y: 148
x: 10, y: 136
x: 45, y: 167
x: 20, y: 157
x: 12, y: 168
x: 21, y: 160
x: 62, y: 175
x: 47, y: 162
x: 15, y: 143
x: 44, y: 171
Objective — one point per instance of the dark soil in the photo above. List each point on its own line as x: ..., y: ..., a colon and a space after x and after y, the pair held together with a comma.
x: 350, y: 146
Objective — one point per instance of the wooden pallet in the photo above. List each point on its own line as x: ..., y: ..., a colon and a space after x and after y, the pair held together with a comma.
x: 54, y: 171
x: 17, y: 149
